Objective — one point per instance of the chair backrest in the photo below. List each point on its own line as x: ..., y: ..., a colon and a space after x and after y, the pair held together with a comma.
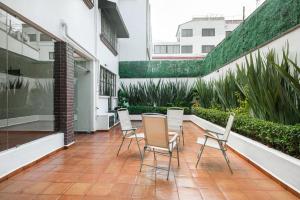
x: 175, y: 118
x: 156, y: 130
x: 228, y: 126
x: 124, y: 119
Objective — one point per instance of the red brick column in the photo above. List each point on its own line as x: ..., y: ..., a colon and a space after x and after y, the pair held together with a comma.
x: 64, y: 90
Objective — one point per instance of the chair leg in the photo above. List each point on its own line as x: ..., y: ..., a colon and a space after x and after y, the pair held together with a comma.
x: 170, y: 159
x: 177, y: 156
x: 225, y: 157
x: 129, y: 143
x: 121, y: 146
x: 182, y: 134
x: 143, y: 158
x: 201, y: 151
x: 137, y: 141
x: 154, y: 155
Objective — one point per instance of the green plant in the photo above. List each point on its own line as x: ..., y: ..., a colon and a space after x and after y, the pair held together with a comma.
x: 285, y: 138
x: 137, y: 110
x: 270, y: 96
x: 149, y: 93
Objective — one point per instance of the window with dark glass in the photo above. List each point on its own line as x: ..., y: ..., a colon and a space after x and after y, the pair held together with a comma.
x: 186, y: 49
x: 187, y: 33
x: 228, y: 33
x: 109, y: 34
x: 45, y: 38
x: 207, y: 48
x: 32, y: 37
x: 107, y: 85
x: 166, y: 49
x: 51, y: 55
x: 208, y: 32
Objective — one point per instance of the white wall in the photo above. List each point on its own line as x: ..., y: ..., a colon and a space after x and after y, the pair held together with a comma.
x: 50, y: 14
x: 23, y: 155
x: 134, y: 13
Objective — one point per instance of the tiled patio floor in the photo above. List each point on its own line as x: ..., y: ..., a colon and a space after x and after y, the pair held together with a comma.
x: 91, y: 170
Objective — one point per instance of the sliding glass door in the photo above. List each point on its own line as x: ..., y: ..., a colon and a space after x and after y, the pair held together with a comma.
x: 26, y: 83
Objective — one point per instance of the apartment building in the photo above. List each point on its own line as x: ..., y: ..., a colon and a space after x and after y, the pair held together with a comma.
x: 195, y: 38
x: 59, y: 71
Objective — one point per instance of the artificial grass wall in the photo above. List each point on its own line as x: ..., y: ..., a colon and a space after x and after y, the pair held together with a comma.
x: 271, y: 19
x: 161, y: 69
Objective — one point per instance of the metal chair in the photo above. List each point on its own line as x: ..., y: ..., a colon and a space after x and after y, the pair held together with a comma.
x: 175, y: 121
x: 216, y: 140
x: 157, y: 139
x: 127, y: 131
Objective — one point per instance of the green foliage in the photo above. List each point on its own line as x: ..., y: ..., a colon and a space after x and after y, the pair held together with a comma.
x: 270, y: 96
x: 156, y: 94
x: 264, y: 87
x: 137, y: 110
x: 270, y: 20
x: 285, y: 138
x: 161, y: 69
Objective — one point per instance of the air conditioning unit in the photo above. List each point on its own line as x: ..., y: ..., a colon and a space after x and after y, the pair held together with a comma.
x: 106, y: 121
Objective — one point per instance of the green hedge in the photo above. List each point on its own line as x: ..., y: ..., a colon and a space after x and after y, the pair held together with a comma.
x: 161, y: 69
x: 270, y: 20
x: 285, y: 138
x: 136, y: 110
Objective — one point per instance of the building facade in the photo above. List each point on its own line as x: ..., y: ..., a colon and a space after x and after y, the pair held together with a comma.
x: 137, y: 17
x: 59, y: 72
x: 195, y: 38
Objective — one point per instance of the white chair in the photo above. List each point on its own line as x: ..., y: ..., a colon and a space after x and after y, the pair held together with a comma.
x: 157, y: 139
x: 216, y: 140
x: 127, y: 131
x: 175, y: 121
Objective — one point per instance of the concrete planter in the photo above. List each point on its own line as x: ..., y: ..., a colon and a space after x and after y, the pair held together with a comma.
x: 281, y: 166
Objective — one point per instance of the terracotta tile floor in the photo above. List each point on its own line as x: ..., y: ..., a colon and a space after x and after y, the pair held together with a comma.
x: 91, y: 170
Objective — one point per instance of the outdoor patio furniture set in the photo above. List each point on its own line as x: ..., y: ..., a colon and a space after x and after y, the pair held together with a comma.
x: 163, y: 134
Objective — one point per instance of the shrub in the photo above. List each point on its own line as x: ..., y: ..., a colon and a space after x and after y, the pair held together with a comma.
x: 136, y: 110
x: 285, y: 138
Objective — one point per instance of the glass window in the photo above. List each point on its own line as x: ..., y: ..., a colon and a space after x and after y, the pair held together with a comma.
x: 32, y: 37
x: 107, y: 85
x: 187, y: 33
x: 186, y: 49
x: 160, y: 49
x: 45, y: 38
x: 173, y: 49
x: 51, y: 55
x: 26, y: 85
x: 207, y: 48
x: 166, y: 49
x: 109, y: 33
x: 228, y: 33
x: 208, y: 32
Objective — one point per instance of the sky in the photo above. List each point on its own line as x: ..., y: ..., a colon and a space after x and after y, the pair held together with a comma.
x: 166, y: 15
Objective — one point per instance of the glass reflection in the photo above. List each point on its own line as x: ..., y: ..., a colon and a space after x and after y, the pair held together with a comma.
x: 26, y: 83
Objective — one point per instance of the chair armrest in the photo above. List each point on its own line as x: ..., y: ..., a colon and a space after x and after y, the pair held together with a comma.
x: 132, y: 129
x: 214, y: 138
x: 214, y: 132
x: 173, y: 138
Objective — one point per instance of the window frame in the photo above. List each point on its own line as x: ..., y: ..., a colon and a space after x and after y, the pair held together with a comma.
x: 205, y: 46
x: 107, y: 83
x: 182, y: 46
x: 208, y: 29
x: 187, y: 35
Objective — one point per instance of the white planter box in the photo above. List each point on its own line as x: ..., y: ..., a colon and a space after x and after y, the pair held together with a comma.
x: 281, y: 166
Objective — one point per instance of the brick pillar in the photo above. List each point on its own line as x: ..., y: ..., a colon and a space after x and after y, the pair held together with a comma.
x: 64, y: 90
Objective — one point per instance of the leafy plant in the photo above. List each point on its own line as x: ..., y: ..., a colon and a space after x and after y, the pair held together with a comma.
x: 285, y: 138
x: 149, y: 93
